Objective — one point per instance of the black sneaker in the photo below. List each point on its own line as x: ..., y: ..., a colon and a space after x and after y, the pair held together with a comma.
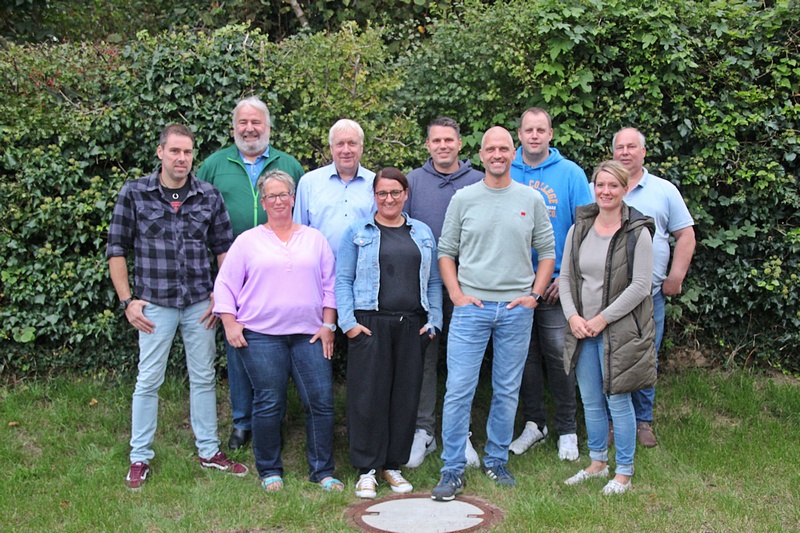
x: 500, y: 475
x: 449, y: 485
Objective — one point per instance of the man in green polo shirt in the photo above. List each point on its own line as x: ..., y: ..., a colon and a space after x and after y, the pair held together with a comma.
x: 234, y: 170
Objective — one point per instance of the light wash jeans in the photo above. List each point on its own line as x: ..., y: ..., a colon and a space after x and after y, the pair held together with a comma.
x: 470, y: 329
x: 153, y: 352
x: 643, y: 399
x: 589, y: 372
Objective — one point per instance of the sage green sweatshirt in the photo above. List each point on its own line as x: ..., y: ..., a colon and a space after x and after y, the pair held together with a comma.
x: 491, y: 232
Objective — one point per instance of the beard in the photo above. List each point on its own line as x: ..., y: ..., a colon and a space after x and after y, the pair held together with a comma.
x: 251, y: 147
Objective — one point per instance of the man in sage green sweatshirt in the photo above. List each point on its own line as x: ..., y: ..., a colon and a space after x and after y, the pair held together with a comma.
x: 490, y: 227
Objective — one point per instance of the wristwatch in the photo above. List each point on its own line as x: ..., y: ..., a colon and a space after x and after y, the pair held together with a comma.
x: 123, y: 304
x: 539, y: 298
x: 331, y: 326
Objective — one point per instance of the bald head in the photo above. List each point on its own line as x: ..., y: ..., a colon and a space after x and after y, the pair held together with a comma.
x: 497, y: 153
x: 497, y: 133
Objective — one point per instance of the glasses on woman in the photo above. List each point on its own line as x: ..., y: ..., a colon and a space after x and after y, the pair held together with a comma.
x: 272, y: 198
x: 395, y: 194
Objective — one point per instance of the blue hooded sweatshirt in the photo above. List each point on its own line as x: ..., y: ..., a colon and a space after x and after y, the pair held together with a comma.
x: 563, y: 185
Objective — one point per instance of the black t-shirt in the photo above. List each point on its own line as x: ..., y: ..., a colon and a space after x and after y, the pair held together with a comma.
x: 399, y: 260
x: 176, y: 196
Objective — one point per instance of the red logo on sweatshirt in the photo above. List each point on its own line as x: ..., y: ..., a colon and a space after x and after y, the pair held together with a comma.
x: 522, y: 213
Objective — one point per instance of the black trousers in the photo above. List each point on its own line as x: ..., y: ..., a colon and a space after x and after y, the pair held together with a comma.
x: 384, y: 376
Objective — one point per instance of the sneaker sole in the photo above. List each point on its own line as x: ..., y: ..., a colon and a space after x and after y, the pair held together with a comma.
x: 223, y: 469
x: 446, y: 498
x: 366, y: 495
x: 402, y: 490
x: 534, y: 445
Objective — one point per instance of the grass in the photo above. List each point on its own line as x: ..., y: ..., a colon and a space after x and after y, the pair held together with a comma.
x: 727, y: 461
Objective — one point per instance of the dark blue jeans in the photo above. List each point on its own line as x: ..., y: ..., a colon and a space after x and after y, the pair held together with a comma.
x: 643, y: 399
x: 241, y: 391
x: 269, y: 361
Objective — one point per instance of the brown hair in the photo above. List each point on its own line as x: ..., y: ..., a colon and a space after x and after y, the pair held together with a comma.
x: 390, y: 173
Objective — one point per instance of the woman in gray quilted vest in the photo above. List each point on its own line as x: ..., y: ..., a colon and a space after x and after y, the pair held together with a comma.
x: 606, y: 274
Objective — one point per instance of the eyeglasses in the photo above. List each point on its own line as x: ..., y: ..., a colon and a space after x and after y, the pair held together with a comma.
x: 383, y: 194
x: 284, y: 196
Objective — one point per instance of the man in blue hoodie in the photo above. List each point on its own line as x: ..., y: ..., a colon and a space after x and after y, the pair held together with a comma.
x: 564, y: 186
x: 430, y: 189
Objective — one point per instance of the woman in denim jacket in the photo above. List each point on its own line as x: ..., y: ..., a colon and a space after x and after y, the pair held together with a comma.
x: 389, y: 299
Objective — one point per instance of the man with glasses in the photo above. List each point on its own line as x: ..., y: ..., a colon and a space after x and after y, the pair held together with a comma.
x: 234, y: 170
x: 332, y: 197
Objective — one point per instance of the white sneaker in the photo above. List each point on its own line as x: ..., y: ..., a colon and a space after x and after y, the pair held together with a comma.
x: 397, y: 482
x: 583, y: 475
x: 367, y: 486
x: 615, y: 487
x: 568, y: 447
x: 473, y: 460
x: 530, y: 436
x: 424, y: 443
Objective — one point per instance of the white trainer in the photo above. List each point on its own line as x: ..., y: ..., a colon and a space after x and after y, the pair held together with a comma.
x: 367, y: 486
x: 473, y: 461
x: 530, y: 436
x: 568, y: 447
x: 424, y: 443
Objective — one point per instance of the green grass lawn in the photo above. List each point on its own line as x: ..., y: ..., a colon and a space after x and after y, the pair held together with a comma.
x: 728, y: 460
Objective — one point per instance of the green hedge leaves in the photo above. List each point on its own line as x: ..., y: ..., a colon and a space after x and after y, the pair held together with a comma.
x: 715, y: 87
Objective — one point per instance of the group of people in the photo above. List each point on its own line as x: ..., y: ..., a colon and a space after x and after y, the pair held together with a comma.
x: 388, y: 265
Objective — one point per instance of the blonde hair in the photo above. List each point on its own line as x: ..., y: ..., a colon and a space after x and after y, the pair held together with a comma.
x: 614, y: 168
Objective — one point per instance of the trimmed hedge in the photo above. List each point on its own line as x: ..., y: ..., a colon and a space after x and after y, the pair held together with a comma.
x: 714, y: 86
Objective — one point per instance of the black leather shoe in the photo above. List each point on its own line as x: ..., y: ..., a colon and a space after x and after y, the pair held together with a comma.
x: 239, y: 437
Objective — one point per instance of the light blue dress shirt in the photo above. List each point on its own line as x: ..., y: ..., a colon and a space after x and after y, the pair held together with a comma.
x: 660, y: 199
x: 325, y: 202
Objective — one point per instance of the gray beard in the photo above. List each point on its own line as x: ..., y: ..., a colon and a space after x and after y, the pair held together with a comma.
x: 249, y: 149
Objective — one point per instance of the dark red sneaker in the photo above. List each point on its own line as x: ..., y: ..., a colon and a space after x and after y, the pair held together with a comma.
x: 137, y: 475
x: 221, y: 462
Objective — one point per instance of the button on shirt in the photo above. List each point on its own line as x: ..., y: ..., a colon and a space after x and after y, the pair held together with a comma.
x: 325, y: 202
x: 171, y: 248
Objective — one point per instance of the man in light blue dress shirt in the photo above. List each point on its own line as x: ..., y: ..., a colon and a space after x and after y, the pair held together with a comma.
x: 332, y: 197
x: 660, y: 199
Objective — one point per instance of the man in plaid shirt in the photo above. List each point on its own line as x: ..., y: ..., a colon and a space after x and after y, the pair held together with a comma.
x: 170, y: 220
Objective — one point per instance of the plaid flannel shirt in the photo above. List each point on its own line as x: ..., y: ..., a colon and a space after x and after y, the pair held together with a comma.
x: 171, y: 249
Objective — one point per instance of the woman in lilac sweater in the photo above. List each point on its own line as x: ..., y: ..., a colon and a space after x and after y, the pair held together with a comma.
x: 274, y: 294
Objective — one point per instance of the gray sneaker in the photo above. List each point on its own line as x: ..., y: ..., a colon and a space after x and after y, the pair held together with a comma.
x: 500, y: 475
x: 449, y: 485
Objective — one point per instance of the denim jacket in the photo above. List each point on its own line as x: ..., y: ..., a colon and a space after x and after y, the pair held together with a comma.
x: 358, y: 271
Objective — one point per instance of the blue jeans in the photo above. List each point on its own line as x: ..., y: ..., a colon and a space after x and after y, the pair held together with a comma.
x: 241, y: 390
x: 153, y: 352
x: 269, y: 361
x: 589, y: 372
x: 643, y: 399
x: 470, y: 329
